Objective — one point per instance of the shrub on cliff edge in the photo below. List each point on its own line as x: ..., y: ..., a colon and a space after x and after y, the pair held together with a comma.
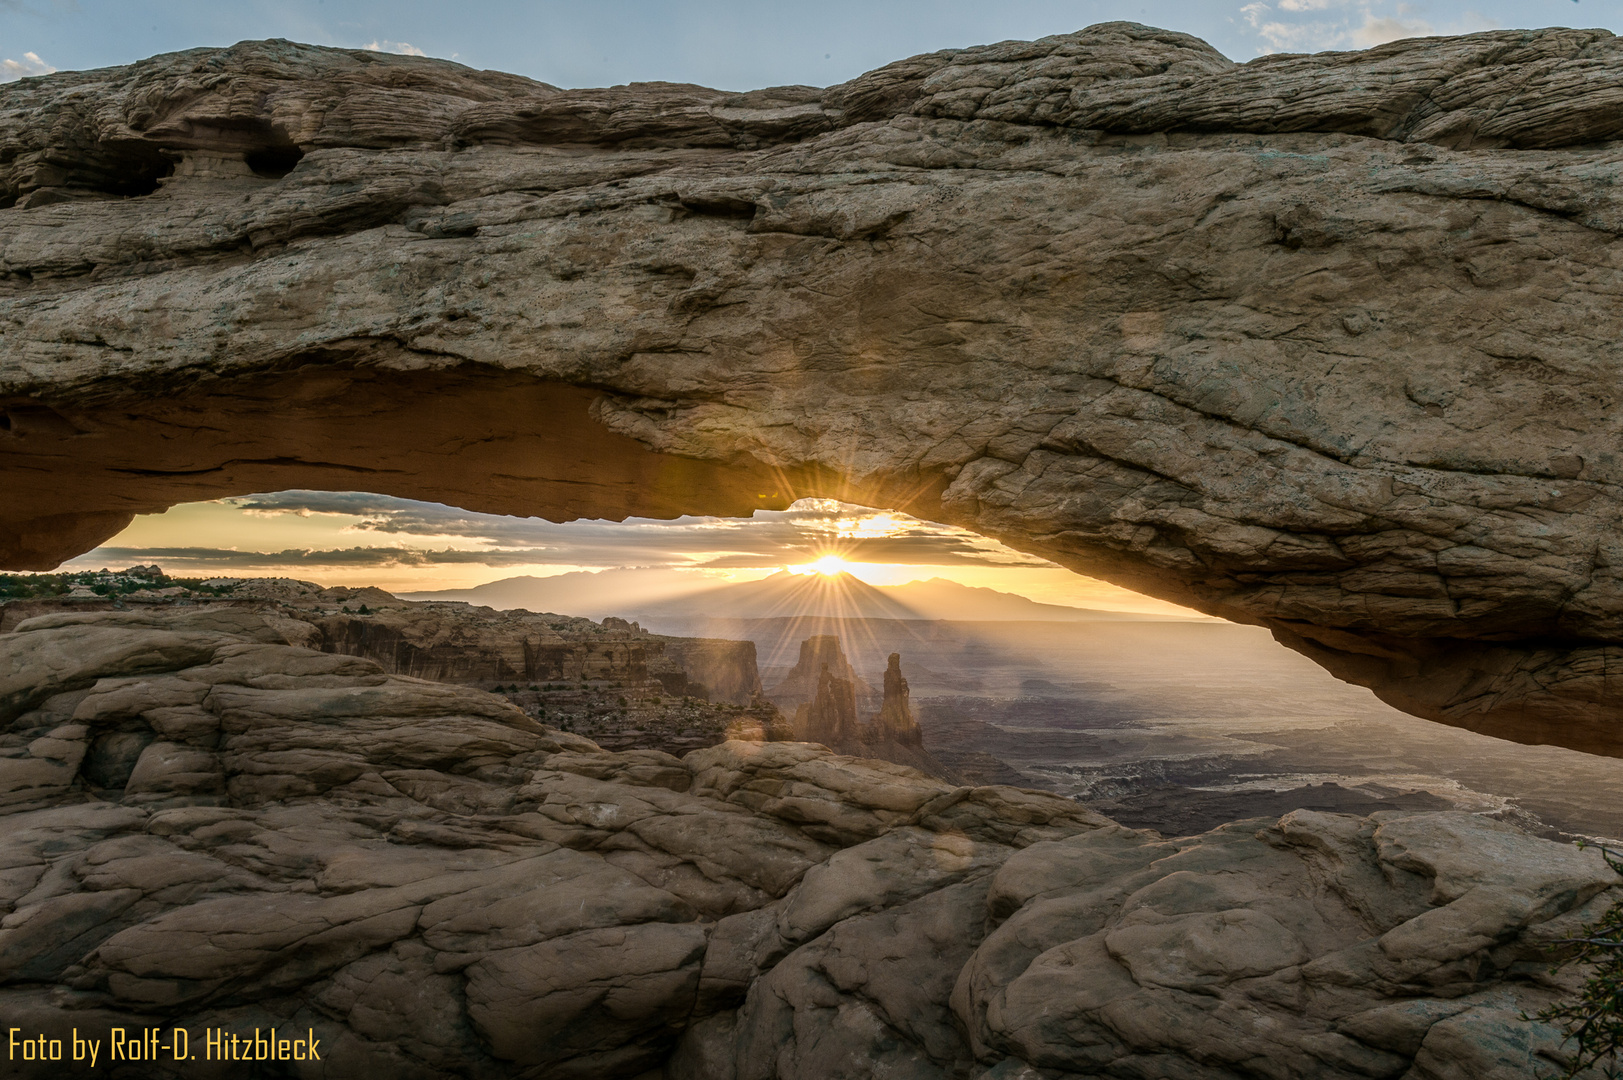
x: 1594, y: 1019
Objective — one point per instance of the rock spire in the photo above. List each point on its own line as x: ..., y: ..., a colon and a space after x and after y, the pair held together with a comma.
x: 820, y: 653
x: 895, y: 721
x: 830, y: 717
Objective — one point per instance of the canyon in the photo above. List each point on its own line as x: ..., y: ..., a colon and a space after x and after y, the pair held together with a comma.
x: 1325, y: 344
x: 443, y: 642
x: 211, y: 829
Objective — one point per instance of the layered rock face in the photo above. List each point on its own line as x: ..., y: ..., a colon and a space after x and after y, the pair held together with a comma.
x: 454, y: 642
x: 714, y: 668
x: 448, y: 643
x: 1327, y: 343
x: 841, y: 712
x: 830, y: 717
x: 209, y: 829
x: 895, y: 720
x: 821, y: 658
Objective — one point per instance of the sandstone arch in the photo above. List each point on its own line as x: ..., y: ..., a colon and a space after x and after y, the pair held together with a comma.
x: 1327, y: 344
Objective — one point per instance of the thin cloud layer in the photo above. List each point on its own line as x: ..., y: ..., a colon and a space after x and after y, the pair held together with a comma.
x: 1380, y: 30
x: 771, y: 538
x: 229, y: 559
x: 402, y: 48
x: 12, y: 70
x: 1318, y: 25
x: 359, y: 539
x: 399, y: 533
x: 899, y: 551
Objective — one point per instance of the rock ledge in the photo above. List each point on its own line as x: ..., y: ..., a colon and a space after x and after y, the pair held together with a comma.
x: 207, y: 828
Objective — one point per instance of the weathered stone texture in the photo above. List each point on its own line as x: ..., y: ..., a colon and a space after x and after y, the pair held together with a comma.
x: 1323, y: 343
x: 453, y: 641
x: 438, y: 887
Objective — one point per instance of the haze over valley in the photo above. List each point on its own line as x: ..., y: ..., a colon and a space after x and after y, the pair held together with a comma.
x: 1165, y: 718
x: 1176, y: 723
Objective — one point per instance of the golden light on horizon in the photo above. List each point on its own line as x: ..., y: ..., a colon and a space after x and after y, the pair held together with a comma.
x: 870, y: 525
x: 357, y: 539
x: 828, y: 566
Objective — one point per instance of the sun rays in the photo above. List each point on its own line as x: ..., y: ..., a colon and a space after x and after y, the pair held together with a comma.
x: 406, y: 546
x: 827, y: 565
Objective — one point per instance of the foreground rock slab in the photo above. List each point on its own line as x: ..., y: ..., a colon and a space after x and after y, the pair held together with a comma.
x: 208, y: 829
x: 1324, y: 343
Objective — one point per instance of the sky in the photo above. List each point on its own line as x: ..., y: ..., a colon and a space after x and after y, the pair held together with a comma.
x: 730, y: 44
x: 354, y: 538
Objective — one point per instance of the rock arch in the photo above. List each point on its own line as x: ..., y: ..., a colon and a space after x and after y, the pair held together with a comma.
x: 1343, y: 364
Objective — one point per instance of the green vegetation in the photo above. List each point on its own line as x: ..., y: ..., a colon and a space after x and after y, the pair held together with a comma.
x: 1594, y: 1019
x: 100, y: 582
x: 23, y: 586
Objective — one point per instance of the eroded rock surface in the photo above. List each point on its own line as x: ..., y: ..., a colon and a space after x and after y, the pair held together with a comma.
x: 1323, y: 343
x: 612, y: 682
x: 844, y: 714
x: 207, y: 828
x: 822, y: 656
x: 445, y: 641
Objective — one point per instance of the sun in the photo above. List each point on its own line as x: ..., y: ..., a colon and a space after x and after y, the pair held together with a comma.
x: 828, y: 566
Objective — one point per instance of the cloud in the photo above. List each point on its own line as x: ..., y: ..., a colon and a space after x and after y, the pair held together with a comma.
x: 1473, y: 23
x: 30, y: 64
x: 892, y: 551
x: 403, y: 48
x: 228, y: 558
x: 1316, y: 25
x: 769, y: 538
x: 895, y: 550
x: 1281, y: 35
x: 359, y: 530
x: 1380, y: 30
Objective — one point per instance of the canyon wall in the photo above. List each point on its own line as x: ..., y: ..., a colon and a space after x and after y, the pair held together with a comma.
x: 716, y: 669
x: 1327, y: 344
x: 452, y: 641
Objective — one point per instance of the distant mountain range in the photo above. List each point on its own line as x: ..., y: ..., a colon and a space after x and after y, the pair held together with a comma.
x: 663, y: 594
x: 591, y: 594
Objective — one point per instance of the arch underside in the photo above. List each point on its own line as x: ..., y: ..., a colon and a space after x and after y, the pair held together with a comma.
x: 1356, y: 383
x: 504, y: 442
